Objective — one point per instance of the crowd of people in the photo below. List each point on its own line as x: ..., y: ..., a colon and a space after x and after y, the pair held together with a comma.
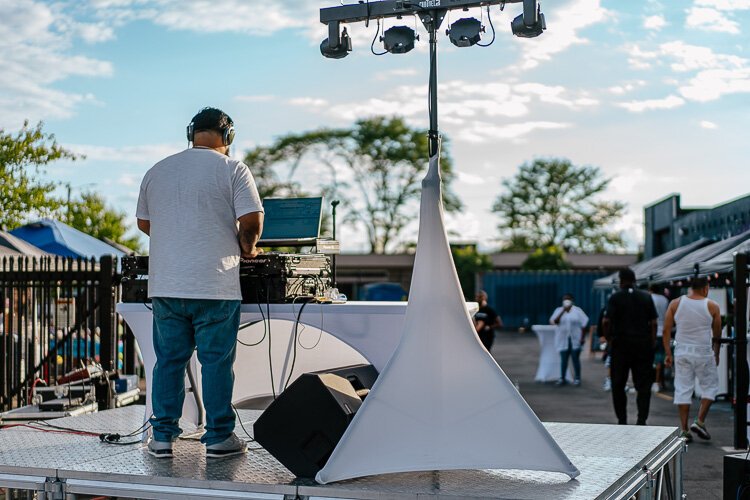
x: 635, y: 332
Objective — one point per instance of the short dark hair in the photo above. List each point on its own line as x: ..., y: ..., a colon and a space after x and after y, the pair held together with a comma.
x: 626, y: 275
x: 568, y: 295
x: 698, y: 282
x: 211, y: 119
x: 656, y: 288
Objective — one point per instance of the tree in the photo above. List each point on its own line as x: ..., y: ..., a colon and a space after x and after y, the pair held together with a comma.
x: 551, y: 202
x: 468, y: 263
x: 546, y: 259
x: 91, y: 215
x: 374, y: 167
x: 23, y: 192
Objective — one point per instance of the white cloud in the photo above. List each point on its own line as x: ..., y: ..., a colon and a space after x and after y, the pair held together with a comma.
x: 626, y: 87
x: 668, y: 102
x: 709, y: 19
x: 308, y: 102
x: 712, y: 84
x: 725, y: 4
x: 35, y: 53
x: 471, y: 179
x: 567, y: 20
x: 479, y: 132
x: 147, y: 154
x: 654, y: 22
x: 708, y: 125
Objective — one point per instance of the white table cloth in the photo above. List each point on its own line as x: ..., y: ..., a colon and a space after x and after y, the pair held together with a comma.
x: 548, y: 369
x: 329, y: 336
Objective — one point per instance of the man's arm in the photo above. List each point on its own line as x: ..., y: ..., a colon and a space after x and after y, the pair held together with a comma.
x: 713, y: 308
x: 667, y: 332
x: 479, y: 326
x: 145, y: 226
x: 251, y: 227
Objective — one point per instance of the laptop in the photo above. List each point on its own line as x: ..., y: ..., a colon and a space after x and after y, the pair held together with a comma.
x: 291, y: 222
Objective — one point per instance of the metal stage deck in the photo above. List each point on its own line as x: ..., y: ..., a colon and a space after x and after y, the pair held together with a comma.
x: 615, y: 462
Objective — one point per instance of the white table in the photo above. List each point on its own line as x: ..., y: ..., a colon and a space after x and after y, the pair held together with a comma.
x: 329, y: 336
x: 549, y: 357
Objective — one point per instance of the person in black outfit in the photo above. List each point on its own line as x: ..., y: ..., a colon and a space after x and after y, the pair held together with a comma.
x: 486, y: 320
x: 630, y: 328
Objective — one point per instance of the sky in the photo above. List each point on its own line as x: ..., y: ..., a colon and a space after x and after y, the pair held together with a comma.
x: 655, y: 93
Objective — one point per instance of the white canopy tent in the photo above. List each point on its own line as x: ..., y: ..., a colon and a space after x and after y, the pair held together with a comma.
x: 441, y: 402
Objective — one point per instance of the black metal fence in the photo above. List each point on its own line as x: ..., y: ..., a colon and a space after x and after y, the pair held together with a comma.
x: 56, y: 315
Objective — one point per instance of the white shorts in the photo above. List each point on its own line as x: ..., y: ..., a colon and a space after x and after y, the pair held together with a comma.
x: 687, y: 369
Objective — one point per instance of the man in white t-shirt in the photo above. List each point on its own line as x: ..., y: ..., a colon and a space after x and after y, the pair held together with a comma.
x: 696, y: 353
x: 202, y: 212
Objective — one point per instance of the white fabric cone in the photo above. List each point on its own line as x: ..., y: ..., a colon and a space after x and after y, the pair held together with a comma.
x: 441, y: 402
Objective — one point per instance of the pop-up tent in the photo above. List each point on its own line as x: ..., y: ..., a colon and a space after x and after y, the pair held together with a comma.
x: 11, y: 246
x: 645, y: 270
x: 723, y: 264
x: 60, y: 239
x: 691, y: 264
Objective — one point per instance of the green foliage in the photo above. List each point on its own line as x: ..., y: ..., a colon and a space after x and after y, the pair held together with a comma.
x: 551, y: 202
x: 91, y: 215
x: 382, y: 160
x: 547, y: 258
x: 468, y: 263
x: 23, y: 192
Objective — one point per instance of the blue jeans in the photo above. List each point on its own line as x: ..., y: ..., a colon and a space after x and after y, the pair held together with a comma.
x: 181, y: 325
x: 576, y: 355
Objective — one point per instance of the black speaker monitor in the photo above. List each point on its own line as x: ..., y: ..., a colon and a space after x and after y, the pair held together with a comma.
x: 303, y: 425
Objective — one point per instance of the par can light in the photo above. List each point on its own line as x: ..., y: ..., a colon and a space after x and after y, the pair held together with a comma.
x: 465, y: 32
x: 531, y: 23
x: 340, y: 49
x: 399, y: 39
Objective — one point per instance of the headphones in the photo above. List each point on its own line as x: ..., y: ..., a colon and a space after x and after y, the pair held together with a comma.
x: 227, y: 134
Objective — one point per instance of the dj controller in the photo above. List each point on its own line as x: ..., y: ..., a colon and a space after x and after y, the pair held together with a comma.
x: 271, y: 277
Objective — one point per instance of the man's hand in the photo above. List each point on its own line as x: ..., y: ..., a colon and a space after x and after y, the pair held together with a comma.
x: 716, y: 358
x: 668, y: 360
x: 251, y: 255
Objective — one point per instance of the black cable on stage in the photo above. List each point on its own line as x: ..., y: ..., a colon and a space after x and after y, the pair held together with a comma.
x: 270, y: 357
x: 294, y: 348
x: 265, y: 329
x: 489, y: 18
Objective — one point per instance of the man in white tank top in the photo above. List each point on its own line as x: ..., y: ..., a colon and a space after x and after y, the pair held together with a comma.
x: 696, y: 353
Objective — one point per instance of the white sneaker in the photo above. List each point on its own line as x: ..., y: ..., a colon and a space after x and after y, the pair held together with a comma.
x: 607, y: 384
x: 230, y: 446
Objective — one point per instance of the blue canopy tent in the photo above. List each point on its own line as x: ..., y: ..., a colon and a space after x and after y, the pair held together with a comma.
x: 60, y: 239
x: 13, y: 246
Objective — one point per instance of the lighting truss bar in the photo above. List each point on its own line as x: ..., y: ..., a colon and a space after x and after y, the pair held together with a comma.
x: 395, y: 8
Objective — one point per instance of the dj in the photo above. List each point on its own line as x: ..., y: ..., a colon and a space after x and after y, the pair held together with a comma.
x: 202, y: 211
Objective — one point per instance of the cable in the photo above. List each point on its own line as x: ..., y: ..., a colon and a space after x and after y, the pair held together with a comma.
x: 489, y: 18
x: 372, y: 45
x: 294, y: 348
x: 270, y: 357
x: 250, y: 438
x: 251, y: 323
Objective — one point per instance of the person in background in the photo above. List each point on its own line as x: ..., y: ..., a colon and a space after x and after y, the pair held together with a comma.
x: 604, y: 345
x: 486, y: 320
x: 571, y: 323
x: 630, y: 328
x: 660, y: 303
x: 696, y: 353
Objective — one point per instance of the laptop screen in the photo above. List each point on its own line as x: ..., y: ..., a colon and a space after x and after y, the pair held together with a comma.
x: 291, y: 219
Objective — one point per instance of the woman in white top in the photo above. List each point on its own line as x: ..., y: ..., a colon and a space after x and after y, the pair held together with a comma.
x: 571, y: 323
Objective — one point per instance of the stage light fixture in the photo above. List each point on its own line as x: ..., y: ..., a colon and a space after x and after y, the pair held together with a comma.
x: 335, y: 46
x: 399, y: 39
x: 465, y: 32
x: 531, y: 23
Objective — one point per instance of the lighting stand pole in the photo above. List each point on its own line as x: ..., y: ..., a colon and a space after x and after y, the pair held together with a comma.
x: 741, y: 382
x: 432, y: 21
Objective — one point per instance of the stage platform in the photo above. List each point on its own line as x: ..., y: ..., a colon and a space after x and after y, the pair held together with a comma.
x: 615, y: 462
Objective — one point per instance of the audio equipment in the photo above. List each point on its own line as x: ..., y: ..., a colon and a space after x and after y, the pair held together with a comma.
x: 306, y: 421
x: 227, y: 134
x: 283, y: 277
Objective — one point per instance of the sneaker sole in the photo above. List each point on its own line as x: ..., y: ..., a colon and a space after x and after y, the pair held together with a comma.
x: 161, y: 453
x: 700, y: 433
x: 223, y: 454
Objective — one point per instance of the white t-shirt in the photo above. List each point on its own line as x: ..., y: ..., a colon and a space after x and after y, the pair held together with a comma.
x: 193, y: 200
x: 661, y: 304
x: 569, y: 327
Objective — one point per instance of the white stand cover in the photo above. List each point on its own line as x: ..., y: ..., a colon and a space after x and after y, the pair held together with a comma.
x: 441, y: 402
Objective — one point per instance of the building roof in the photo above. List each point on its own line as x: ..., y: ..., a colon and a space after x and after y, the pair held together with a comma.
x: 13, y: 246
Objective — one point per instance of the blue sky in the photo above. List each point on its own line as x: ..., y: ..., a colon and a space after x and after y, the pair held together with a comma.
x: 655, y: 93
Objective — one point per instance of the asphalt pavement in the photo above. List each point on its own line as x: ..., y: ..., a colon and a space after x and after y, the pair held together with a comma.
x: 518, y: 354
